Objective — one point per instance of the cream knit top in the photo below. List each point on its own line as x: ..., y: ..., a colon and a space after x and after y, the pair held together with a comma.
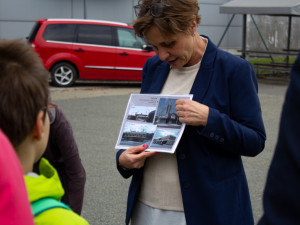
x: 160, y: 186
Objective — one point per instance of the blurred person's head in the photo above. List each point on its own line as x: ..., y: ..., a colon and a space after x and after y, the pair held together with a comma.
x: 170, y: 27
x: 23, y: 95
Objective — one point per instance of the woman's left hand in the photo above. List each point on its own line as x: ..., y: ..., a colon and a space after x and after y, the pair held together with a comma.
x: 192, y: 112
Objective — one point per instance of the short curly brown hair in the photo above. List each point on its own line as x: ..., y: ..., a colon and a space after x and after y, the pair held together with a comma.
x: 175, y: 16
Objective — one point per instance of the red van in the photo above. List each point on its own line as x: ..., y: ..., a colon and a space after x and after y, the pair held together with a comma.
x: 74, y: 49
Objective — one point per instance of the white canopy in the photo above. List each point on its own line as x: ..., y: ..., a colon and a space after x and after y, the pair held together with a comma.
x: 262, y: 7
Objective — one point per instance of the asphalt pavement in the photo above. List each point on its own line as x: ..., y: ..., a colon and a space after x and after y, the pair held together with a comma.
x: 96, y: 113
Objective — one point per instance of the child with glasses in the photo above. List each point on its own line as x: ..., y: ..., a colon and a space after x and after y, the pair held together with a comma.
x: 62, y: 152
x: 24, y: 119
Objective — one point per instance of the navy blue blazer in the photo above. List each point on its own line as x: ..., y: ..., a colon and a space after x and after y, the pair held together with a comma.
x: 282, y: 192
x: 212, y: 178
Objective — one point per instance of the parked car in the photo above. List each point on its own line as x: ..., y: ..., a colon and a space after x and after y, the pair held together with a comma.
x: 74, y: 49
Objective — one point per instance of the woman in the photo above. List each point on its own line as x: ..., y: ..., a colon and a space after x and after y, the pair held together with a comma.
x: 204, y: 181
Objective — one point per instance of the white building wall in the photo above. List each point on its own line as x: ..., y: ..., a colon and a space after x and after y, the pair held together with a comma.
x: 18, y: 16
x: 214, y: 24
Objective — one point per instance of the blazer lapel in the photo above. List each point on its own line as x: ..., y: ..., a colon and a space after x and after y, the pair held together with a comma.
x: 205, y: 73
x: 161, y: 74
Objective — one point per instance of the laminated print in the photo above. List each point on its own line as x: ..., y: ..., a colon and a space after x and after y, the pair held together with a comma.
x: 151, y: 119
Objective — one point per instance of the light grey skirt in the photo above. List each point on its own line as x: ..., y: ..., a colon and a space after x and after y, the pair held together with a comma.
x: 146, y: 215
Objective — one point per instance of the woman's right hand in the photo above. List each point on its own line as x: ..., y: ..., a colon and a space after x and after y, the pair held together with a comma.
x: 134, y: 157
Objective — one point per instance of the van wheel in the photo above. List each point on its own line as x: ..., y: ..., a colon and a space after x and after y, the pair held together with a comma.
x: 63, y: 75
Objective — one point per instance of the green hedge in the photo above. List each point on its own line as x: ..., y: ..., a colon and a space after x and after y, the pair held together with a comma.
x: 268, y: 60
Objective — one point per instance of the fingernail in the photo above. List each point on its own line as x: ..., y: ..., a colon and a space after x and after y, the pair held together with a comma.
x: 144, y: 145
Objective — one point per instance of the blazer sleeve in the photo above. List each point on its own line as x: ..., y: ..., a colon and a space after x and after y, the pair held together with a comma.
x: 237, y: 125
x: 126, y: 173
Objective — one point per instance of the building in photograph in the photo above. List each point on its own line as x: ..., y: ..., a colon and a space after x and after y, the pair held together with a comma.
x: 137, y: 136
x: 166, y: 140
x: 142, y: 117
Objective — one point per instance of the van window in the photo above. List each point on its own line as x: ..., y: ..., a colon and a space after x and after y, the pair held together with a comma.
x: 95, y: 34
x: 60, y: 32
x: 127, y: 38
x: 34, y: 31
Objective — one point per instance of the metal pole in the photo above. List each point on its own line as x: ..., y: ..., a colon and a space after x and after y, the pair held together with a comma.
x: 288, y: 38
x: 261, y: 37
x: 132, y: 8
x: 225, y: 30
x: 244, y: 35
x: 72, y: 9
x: 84, y: 9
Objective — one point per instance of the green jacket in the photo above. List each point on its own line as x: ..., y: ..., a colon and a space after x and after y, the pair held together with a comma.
x: 48, y: 185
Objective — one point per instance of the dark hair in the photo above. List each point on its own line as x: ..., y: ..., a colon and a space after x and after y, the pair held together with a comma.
x: 23, y: 89
x: 174, y: 16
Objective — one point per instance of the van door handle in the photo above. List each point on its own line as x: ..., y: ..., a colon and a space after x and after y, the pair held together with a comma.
x: 123, y: 53
x: 79, y: 50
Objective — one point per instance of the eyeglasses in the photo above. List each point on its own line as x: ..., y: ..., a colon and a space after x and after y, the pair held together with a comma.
x: 51, y: 108
x: 156, y: 10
